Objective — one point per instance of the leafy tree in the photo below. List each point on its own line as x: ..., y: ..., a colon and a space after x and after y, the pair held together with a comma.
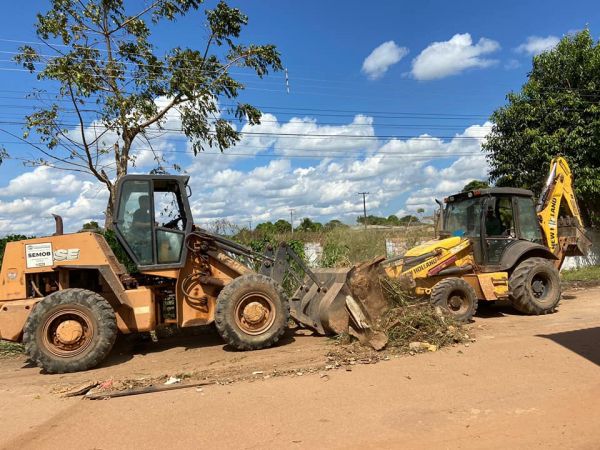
x: 91, y: 225
x: 475, y: 184
x: 408, y: 219
x: 265, y: 229
x: 372, y: 220
x: 557, y: 112
x: 393, y: 220
x: 307, y: 224
x: 120, y: 89
x: 282, y: 226
x: 10, y: 238
x: 334, y: 223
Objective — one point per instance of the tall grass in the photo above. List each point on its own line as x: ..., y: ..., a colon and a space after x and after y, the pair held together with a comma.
x: 343, y: 247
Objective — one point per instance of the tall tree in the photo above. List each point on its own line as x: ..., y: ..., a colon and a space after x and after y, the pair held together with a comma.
x: 557, y: 112
x: 120, y: 89
x: 475, y: 184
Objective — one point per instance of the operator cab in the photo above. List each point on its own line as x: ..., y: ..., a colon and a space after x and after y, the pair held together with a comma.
x: 152, y: 219
x: 493, y: 220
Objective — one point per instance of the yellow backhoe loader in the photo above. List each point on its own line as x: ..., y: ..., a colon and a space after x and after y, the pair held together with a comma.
x: 497, y: 244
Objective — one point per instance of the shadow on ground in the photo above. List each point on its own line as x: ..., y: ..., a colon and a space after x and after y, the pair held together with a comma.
x: 129, y: 346
x: 583, y: 342
x: 496, y: 309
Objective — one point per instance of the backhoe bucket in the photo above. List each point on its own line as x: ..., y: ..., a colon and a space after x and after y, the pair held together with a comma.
x: 345, y: 301
x: 573, y: 238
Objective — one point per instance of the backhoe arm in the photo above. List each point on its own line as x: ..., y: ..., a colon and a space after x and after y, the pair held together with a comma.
x: 559, y: 187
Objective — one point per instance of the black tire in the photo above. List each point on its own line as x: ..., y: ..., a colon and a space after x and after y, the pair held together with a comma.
x: 455, y: 296
x: 535, y: 287
x: 252, y: 312
x: 80, y: 313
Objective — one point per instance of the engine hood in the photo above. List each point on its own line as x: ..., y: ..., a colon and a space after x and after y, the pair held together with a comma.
x: 430, y: 246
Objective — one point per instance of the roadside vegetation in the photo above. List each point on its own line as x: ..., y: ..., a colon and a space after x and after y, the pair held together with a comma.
x: 8, y: 349
x: 342, y: 245
x: 587, y: 274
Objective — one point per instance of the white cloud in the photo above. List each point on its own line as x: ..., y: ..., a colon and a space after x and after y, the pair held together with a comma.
x: 266, y: 182
x: 42, y: 182
x: 327, y: 189
x: 442, y: 59
x: 512, y: 64
x: 382, y: 58
x: 448, y: 180
x: 29, y: 212
x: 534, y: 45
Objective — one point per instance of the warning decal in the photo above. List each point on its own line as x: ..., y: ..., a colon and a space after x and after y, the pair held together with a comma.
x: 39, y: 255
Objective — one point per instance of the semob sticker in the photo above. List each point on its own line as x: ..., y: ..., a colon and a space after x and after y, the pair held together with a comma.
x: 39, y: 255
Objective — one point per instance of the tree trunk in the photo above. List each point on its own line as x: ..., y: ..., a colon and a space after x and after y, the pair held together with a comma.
x: 110, y: 209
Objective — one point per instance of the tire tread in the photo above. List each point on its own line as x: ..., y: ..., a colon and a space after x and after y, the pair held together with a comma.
x: 228, y: 331
x: 107, y: 331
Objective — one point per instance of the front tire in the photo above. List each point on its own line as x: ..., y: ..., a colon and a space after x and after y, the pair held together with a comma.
x: 456, y: 297
x: 70, y: 331
x: 252, y: 312
x: 535, y: 287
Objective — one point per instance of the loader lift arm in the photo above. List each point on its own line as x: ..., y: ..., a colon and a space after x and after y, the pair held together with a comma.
x: 564, y: 237
x: 273, y: 262
x: 320, y: 298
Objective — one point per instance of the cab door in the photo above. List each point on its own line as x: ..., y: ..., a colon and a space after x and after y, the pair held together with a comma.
x: 499, y: 227
x: 152, y: 220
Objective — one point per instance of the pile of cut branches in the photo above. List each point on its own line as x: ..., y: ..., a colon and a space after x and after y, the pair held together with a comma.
x: 412, y: 320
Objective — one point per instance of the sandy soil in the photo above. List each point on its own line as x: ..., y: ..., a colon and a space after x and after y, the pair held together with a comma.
x: 528, y: 382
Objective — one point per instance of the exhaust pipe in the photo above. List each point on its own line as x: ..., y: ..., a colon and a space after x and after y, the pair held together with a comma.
x: 59, y: 225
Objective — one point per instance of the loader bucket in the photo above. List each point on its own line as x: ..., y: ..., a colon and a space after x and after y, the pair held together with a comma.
x: 347, y: 300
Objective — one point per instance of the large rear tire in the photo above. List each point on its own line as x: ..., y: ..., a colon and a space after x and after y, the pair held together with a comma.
x: 252, y: 312
x: 70, y: 331
x: 455, y: 296
x: 535, y: 287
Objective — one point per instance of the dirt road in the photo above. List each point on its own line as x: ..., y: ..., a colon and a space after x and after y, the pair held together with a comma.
x: 528, y: 382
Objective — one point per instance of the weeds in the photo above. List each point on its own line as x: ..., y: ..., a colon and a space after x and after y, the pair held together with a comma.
x: 342, y: 246
x: 589, y: 273
x: 8, y: 349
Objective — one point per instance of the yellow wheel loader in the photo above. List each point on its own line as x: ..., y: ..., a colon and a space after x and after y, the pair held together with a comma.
x: 498, y: 244
x: 66, y: 296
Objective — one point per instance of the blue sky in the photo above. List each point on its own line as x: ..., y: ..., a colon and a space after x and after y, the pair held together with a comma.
x: 408, y: 120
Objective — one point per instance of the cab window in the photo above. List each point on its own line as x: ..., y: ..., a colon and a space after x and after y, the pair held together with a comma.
x: 134, y: 219
x: 462, y: 218
x: 167, y: 212
x: 528, y: 221
x: 499, y: 220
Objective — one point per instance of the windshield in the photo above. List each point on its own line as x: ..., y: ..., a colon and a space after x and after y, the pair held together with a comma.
x: 463, y: 218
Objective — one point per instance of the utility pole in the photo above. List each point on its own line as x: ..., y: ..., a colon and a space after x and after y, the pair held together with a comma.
x: 292, y: 220
x: 364, y: 194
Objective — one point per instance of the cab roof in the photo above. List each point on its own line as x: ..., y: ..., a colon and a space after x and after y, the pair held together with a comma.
x: 489, y: 191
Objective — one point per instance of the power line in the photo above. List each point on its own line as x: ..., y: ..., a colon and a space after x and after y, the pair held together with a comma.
x: 288, y: 153
x: 163, y: 131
